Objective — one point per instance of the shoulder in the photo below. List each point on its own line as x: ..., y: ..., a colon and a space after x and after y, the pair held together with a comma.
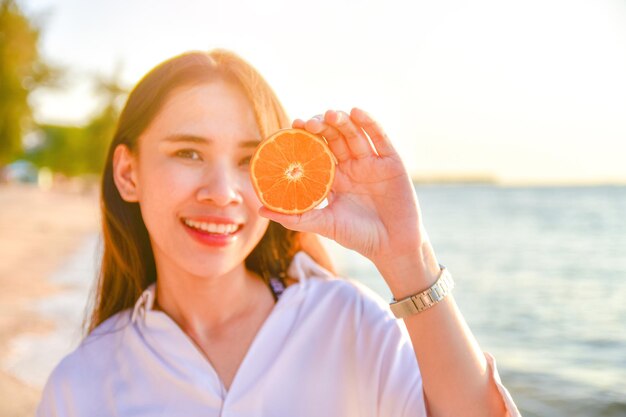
x: 349, y: 290
x: 108, y: 335
x: 350, y: 297
x: 93, y: 356
x: 317, y: 279
x: 75, y: 383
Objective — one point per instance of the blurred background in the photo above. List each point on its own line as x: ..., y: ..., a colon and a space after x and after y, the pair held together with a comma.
x: 510, y: 116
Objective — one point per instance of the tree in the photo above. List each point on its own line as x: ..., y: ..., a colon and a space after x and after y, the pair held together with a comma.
x: 21, y: 70
x: 82, y: 150
x: 63, y: 151
x: 100, y: 129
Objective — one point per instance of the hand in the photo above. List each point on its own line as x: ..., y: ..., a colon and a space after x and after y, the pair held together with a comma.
x: 372, y: 207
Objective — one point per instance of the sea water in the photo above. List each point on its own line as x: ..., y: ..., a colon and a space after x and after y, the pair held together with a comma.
x: 540, y: 277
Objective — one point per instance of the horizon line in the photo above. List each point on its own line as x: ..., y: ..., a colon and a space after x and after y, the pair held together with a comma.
x: 495, y: 180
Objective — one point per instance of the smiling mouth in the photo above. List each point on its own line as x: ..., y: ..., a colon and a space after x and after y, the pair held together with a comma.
x: 218, y: 229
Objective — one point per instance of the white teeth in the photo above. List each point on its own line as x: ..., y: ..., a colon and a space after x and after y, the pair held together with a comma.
x: 213, y: 227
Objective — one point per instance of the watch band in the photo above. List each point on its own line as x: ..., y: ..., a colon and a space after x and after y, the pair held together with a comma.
x: 424, y: 300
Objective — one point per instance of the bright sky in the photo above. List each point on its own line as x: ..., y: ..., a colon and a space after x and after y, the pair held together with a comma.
x: 528, y: 91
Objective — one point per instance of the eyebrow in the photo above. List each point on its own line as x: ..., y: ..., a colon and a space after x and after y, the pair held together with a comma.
x: 202, y: 140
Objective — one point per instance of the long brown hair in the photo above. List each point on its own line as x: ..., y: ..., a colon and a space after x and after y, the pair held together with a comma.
x: 128, y: 265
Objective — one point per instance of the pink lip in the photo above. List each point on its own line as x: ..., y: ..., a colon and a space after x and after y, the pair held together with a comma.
x: 211, y: 239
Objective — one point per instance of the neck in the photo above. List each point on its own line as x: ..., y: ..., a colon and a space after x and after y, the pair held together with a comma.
x: 207, y: 304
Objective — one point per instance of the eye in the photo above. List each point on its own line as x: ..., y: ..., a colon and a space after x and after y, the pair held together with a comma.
x: 188, y: 154
x: 246, y: 160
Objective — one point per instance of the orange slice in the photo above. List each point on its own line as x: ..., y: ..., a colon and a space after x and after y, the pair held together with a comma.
x: 292, y: 171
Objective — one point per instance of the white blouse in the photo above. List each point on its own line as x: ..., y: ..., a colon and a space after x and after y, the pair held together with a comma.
x: 330, y: 347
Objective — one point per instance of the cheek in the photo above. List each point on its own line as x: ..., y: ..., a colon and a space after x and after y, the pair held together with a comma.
x: 162, y: 177
x: 250, y: 196
x: 254, y: 204
x: 161, y: 189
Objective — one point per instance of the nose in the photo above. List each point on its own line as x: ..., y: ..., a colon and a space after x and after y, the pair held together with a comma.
x: 221, y: 185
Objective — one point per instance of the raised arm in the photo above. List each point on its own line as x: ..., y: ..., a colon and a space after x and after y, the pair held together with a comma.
x: 373, y: 209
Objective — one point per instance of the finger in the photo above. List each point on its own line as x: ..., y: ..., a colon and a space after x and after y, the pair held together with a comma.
x: 311, y: 221
x: 357, y: 141
x: 315, y: 124
x: 379, y: 138
x: 336, y: 141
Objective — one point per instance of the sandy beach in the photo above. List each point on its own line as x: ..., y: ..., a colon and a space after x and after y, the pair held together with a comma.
x: 39, y: 229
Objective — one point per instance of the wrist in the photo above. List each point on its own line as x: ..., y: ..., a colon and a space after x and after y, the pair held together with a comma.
x: 411, y: 273
x: 426, y: 299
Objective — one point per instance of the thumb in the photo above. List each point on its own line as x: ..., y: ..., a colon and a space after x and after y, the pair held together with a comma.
x: 310, y: 221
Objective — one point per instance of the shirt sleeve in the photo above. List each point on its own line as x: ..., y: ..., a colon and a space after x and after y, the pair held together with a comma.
x: 387, y: 362
x: 389, y: 378
x: 511, y: 408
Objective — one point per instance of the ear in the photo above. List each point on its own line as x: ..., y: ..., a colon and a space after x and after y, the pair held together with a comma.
x: 124, y: 173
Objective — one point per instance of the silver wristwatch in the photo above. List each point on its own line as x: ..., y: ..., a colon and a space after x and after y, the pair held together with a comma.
x: 424, y: 300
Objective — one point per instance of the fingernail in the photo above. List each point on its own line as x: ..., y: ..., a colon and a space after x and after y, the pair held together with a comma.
x: 313, y: 125
x: 358, y: 113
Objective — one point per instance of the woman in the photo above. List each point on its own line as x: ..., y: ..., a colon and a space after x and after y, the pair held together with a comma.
x: 209, y: 304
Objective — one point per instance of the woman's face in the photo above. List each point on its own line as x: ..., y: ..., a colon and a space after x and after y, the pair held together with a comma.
x: 192, y: 180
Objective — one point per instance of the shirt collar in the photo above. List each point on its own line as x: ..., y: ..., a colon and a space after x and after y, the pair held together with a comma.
x: 302, y: 268
x: 144, y: 303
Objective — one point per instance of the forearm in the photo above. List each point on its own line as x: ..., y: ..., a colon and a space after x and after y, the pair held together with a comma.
x: 456, y: 378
